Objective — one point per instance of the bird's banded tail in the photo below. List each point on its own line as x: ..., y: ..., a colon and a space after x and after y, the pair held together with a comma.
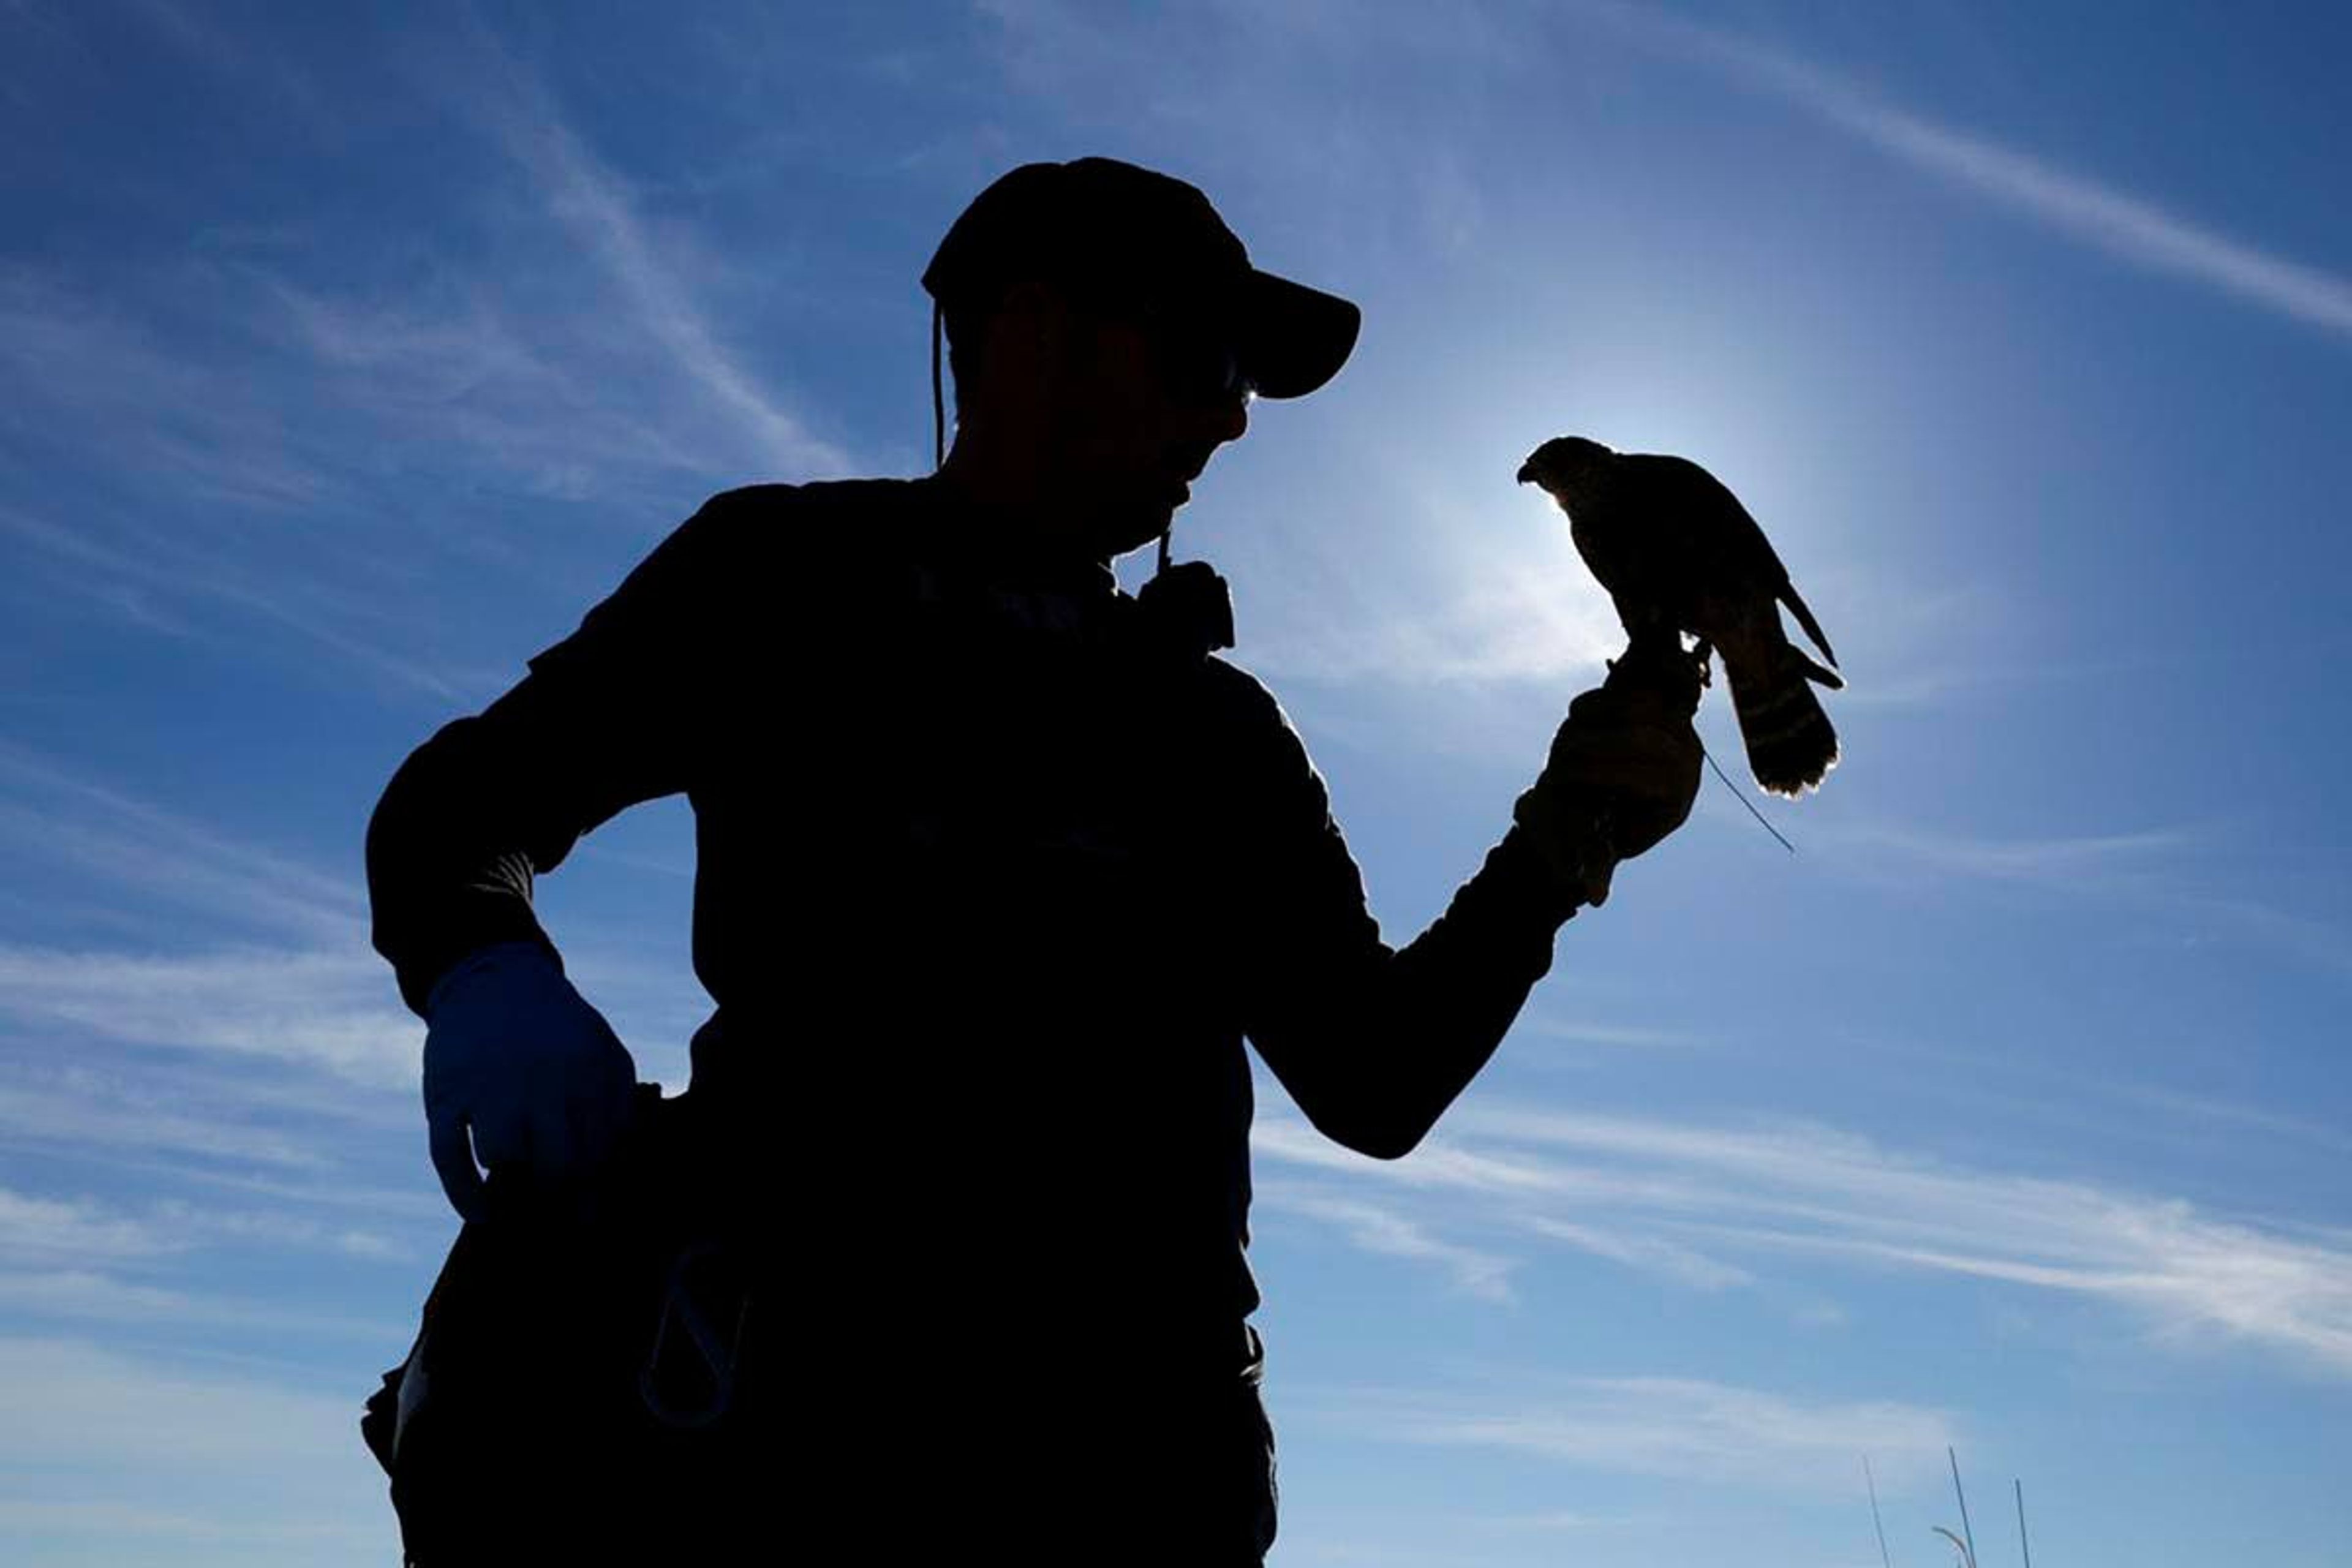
x: 1791, y: 744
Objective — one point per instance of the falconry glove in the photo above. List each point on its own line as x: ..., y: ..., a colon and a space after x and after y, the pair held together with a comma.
x: 1623, y: 772
x: 521, y: 1074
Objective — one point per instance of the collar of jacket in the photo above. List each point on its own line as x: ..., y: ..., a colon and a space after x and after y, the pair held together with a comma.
x: 998, y: 548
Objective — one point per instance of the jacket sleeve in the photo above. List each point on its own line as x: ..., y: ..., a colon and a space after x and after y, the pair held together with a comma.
x: 617, y: 714
x: 1373, y: 1042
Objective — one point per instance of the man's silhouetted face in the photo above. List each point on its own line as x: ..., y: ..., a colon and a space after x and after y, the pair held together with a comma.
x: 1103, y: 418
x: 1141, y: 425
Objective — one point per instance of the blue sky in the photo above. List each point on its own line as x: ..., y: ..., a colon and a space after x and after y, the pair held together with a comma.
x: 347, y: 354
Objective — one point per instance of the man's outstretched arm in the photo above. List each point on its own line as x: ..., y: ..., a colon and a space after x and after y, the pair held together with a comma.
x: 1375, y: 1042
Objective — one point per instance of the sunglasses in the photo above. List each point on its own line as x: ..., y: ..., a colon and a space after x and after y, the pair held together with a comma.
x: 1200, y: 366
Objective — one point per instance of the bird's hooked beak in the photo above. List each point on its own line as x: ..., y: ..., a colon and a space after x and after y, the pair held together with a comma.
x: 1528, y: 474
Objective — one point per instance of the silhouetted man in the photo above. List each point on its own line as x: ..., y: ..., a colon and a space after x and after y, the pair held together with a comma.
x: 943, y: 1249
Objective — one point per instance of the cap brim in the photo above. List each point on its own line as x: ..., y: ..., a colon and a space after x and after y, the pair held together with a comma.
x: 1293, y: 339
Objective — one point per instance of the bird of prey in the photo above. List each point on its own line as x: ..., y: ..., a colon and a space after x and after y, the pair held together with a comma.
x: 1678, y: 553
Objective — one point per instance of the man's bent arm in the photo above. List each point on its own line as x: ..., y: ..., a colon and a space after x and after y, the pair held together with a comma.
x: 448, y: 867
x: 1375, y: 1042
x: 609, y: 717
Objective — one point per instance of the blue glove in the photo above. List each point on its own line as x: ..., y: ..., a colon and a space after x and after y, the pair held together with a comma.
x: 517, y: 1058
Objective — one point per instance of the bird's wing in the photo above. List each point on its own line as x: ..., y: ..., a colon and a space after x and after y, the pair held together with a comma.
x: 1681, y: 486
x: 1678, y: 487
x: 1797, y: 607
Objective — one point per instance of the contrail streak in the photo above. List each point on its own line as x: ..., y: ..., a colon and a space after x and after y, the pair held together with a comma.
x: 2122, y: 225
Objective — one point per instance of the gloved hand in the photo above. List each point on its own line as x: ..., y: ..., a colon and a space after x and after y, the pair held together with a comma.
x: 517, y: 1057
x: 1623, y: 772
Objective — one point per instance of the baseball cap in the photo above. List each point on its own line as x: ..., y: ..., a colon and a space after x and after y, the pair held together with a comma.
x: 1115, y: 233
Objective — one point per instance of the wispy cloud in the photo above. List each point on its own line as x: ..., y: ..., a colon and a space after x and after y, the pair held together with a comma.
x: 103, y: 1445
x: 94, y: 374
x: 1376, y: 1228
x: 1067, y: 49
x: 197, y: 399
x: 2126, y: 226
x: 152, y: 854
x: 324, y: 1010
x: 2322, y: 944
x: 279, y: 1229
x: 1684, y: 1428
x: 155, y: 1115
x: 134, y: 1528
x: 2242, y: 1119
x: 1682, y: 1264
x: 35, y: 1231
x: 1702, y: 1193
x: 75, y: 1298
x: 164, y: 1072
x: 2077, y: 861
x: 589, y: 201
x: 2147, y: 869
x: 466, y: 365
x: 1615, y: 1037
x: 303, y: 987
x: 156, y: 581
x: 40, y: 1233
x: 93, y: 1296
x: 80, y: 1260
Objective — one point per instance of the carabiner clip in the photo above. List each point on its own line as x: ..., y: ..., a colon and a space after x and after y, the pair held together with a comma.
x: 702, y: 1297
